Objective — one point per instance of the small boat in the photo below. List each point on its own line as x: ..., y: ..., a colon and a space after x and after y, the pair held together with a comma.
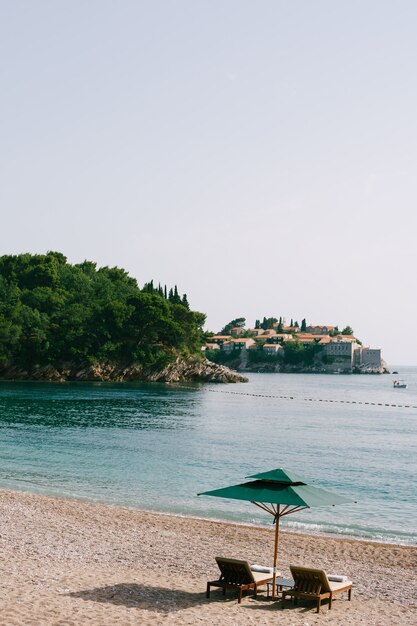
x: 399, y: 384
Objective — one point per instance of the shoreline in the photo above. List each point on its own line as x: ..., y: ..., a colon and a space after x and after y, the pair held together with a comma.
x: 344, y: 537
x: 200, y: 518
x: 194, y: 368
x: 216, y: 520
x: 75, y: 561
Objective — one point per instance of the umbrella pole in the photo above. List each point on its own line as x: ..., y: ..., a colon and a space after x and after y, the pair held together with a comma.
x: 275, y: 553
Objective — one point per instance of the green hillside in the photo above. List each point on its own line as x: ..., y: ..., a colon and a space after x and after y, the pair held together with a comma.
x: 52, y: 312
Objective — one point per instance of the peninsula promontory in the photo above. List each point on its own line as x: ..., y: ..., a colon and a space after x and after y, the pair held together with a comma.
x: 60, y: 321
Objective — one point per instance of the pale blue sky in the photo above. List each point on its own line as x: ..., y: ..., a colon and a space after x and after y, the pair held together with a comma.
x: 261, y: 155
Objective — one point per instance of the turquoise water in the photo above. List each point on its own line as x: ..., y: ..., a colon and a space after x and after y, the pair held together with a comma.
x: 155, y: 446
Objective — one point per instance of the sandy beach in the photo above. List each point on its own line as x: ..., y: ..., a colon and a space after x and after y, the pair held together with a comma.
x: 66, y: 562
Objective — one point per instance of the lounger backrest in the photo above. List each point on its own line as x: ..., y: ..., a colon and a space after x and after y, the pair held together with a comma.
x: 235, y: 572
x: 309, y: 580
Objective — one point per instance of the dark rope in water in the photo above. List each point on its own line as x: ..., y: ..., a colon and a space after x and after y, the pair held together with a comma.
x: 358, y: 402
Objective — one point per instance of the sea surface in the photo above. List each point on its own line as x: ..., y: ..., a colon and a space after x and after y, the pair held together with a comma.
x: 155, y: 446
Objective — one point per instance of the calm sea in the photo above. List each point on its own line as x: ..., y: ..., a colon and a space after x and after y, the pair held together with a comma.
x: 155, y: 446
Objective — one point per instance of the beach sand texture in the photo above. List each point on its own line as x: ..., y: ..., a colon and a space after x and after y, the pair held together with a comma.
x: 66, y: 562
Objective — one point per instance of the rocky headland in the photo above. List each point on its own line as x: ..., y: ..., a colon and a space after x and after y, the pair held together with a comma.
x: 189, y: 369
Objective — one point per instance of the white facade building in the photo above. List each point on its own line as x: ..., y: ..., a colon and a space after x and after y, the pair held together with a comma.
x: 368, y: 358
x: 340, y: 355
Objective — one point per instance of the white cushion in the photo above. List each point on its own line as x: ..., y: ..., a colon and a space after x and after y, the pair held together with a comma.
x: 336, y: 578
x: 262, y: 568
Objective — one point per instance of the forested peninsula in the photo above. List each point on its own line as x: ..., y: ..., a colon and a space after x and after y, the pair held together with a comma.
x: 60, y: 322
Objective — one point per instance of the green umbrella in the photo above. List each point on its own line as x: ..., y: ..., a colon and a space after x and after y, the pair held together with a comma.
x: 279, y: 493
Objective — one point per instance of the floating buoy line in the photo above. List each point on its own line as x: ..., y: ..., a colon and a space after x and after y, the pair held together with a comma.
x: 323, y: 400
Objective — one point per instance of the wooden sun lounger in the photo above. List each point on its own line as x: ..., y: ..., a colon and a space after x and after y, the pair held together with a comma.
x: 235, y: 574
x: 314, y: 584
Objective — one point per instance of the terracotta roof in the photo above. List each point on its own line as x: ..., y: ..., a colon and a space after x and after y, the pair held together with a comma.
x: 323, y: 326
x: 244, y: 339
x: 343, y: 339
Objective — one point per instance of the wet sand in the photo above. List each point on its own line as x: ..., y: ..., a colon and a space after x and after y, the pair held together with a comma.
x: 68, y: 562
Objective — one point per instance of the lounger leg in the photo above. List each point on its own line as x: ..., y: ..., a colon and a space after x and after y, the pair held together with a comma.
x: 255, y: 591
x: 330, y: 601
x: 350, y: 594
x: 208, y: 590
x: 240, y: 596
x: 318, y: 604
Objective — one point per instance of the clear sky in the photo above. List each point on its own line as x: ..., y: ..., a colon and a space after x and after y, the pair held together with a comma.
x: 260, y: 155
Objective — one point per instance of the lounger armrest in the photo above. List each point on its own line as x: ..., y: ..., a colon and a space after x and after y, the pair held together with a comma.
x: 261, y: 577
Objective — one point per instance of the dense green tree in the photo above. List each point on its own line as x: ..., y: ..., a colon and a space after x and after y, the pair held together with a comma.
x: 238, y: 322
x: 268, y: 322
x: 294, y: 353
x: 347, y: 331
x: 52, y: 312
